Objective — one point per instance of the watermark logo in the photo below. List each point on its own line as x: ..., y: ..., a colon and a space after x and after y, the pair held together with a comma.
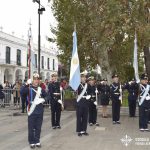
x: 126, y: 140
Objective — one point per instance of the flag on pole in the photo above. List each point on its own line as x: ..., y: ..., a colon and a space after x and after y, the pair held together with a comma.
x: 135, y: 60
x: 75, y: 66
x: 31, y: 57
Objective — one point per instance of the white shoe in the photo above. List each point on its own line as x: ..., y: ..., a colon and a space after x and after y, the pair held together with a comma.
x: 142, y: 129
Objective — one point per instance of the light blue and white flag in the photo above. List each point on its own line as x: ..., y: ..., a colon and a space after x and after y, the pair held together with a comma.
x: 135, y: 60
x: 75, y: 66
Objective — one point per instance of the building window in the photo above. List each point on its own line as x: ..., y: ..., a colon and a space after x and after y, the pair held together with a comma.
x: 42, y: 62
x: 19, y: 57
x: 35, y: 55
x: 48, y: 63
x: 53, y: 64
x: 7, y: 55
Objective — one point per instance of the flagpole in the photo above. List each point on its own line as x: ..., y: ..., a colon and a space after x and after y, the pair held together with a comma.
x: 75, y: 27
x: 29, y: 62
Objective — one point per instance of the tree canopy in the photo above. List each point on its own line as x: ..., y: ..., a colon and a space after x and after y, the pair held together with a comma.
x: 105, y: 32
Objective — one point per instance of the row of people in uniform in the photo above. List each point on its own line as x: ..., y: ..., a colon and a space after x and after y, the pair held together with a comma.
x: 86, y: 104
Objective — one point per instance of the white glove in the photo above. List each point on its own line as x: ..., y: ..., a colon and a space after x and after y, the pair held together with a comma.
x: 120, y: 98
x: 95, y: 103
x: 88, y: 97
x: 102, y: 82
x: 60, y: 102
x: 96, y: 91
x: 29, y: 81
x: 130, y: 82
x: 147, y: 97
x: 39, y: 101
x: 61, y: 88
x: 120, y: 90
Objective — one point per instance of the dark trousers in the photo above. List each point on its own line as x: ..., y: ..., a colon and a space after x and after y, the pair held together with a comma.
x: 82, y: 117
x: 34, y: 128
x: 16, y: 100
x: 143, y: 117
x: 116, y: 109
x: 92, y: 113
x: 55, y: 114
x: 23, y: 100
x: 132, y: 107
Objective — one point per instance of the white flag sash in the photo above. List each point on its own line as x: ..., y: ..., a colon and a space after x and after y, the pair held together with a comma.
x: 144, y: 95
x: 37, y: 100
x: 82, y: 93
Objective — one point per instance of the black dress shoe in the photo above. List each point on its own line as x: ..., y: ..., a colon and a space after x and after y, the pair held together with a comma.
x: 97, y: 124
x: 85, y: 133
x: 32, y: 146
x: 114, y: 122
x: 118, y: 122
x: 79, y: 134
x: 58, y: 127
x: 54, y: 127
x: 147, y: 130
x: 38, y: 145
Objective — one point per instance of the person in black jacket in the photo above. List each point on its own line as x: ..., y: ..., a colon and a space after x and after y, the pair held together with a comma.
x: 82, y: 107
x: 2, y: 96
x: 54, y: 92
x: 35, y: 116
x: 104, y: 91
x: 92, y: 91
x: 23, y: 97
x: 133, y: 89
x: 115, y: 92
x: 144, y: 103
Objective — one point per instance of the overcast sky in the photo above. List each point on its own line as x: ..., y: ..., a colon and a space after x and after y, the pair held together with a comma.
x: 15, y: 16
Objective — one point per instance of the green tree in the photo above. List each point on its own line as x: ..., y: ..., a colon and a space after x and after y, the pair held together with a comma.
x: 105, y: 30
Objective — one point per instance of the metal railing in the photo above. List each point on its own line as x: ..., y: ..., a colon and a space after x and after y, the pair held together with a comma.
x: 11, y: 98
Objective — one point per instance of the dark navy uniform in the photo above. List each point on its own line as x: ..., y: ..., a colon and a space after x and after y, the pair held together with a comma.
x: 23, y: 99
x: 133, y: 89
x: 143, y: 108
x: 91, y: 90
x: 116, y: 103
x: 36, y: 118
x: 104, y: 91
x: 55, y: 95
x: 82, y: 111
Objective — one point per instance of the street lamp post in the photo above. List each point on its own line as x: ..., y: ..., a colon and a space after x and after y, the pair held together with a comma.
x: 40, y: 12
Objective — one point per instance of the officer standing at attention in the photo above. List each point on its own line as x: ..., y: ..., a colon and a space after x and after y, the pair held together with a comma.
x: 91, y: 90
x: 104, y: 90
x: 82, y: 107
x: 144, y: 103
x: 55, y: 93
x: 35, y: 110
x: 133, y: 89
x: 116, y: 97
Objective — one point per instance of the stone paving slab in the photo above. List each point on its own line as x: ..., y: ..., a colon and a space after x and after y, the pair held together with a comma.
x: 13, y: 134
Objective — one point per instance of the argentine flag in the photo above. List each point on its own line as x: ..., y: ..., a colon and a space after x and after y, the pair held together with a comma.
x: 75, y: 67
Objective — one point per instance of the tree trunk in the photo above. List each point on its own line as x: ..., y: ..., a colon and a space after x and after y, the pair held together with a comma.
x: 147, y: 60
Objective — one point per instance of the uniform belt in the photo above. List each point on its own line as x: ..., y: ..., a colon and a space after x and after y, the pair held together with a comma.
x: 93, y: 96
x: 56, y: 93
x: 83, y: 96
x: 117, y: 93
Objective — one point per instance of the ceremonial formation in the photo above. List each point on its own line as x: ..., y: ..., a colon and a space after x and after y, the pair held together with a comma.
x: 90, y: 93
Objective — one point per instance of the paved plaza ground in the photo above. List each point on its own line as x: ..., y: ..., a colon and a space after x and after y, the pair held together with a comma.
x: 13, y: 133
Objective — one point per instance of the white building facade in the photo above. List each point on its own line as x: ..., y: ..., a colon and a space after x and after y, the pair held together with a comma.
x: 14, y: 59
